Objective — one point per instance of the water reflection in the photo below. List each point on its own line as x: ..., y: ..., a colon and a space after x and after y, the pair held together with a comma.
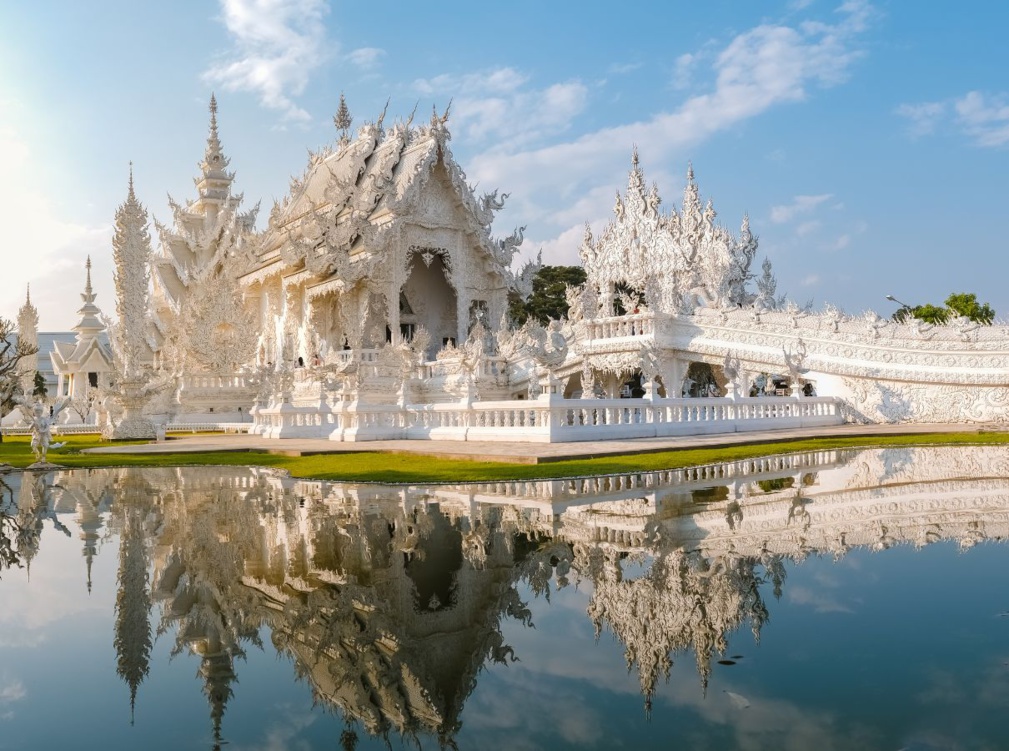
x: 390, y: 601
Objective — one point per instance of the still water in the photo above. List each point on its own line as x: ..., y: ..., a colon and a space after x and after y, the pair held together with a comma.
x: 829, y: 600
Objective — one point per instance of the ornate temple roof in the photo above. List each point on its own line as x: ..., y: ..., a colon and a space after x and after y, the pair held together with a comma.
x: 365, y: 185
x: 90, y: 351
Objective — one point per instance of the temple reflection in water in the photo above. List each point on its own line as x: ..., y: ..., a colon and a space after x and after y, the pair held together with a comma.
x: 390, y: 600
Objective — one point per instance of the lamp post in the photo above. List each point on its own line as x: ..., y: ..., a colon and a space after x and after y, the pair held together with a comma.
x: 903, y: 312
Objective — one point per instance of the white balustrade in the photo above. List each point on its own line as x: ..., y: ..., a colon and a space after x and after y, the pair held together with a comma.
x: 549, y: 420
x: 215, y: 382
x: 621, y: 327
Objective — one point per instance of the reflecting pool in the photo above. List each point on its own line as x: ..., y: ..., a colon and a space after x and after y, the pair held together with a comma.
x: 828, y: 600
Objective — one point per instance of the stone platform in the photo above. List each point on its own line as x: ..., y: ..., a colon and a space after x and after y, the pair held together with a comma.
x: 521, y: 453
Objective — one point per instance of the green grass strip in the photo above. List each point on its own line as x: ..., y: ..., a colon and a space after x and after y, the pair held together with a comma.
x: 367, y: 466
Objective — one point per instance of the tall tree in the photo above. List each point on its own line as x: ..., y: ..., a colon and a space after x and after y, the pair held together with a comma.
x: 966, y: 305
x: 39, y: 388
x: 547, y: 300
x: 963, y: 304
x: 13, y: 349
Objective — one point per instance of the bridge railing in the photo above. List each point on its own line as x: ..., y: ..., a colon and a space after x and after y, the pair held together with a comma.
x: 548, y: 420
x: 620, y: 327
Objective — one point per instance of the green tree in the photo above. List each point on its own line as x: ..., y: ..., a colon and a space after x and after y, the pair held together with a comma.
x: 547, y: 300
x: 39, y: 388
x: 966, y: 305
x: 957, y: 304
x: 12, y: 350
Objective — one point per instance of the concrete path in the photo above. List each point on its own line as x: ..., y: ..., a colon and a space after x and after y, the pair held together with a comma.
x: 514, y: 452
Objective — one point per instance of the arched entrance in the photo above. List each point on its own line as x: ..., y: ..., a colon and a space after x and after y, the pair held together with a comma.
x: 430, y: 298
x: 704, y: 379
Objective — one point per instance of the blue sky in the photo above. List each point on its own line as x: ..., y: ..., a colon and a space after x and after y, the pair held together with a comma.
x: 867, y: 141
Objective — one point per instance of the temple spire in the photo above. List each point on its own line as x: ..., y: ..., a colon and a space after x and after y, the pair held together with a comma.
x: 214, y: 153
x: 89, y: 295
x: 214, y: 182
x: 28, y: 332
x: 131, y: 253
x: 343, y: 119
x: 90, y: 324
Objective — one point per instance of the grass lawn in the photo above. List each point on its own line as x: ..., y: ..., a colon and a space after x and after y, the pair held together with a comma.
x: 407, y: 468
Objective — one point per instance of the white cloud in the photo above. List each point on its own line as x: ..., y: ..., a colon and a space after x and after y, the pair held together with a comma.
x: 807, y: 228
x: 821, y: 601
x: 923, y: 116
x: 810, y: 281
x: 984, y: 119
x: 276, y: 46
x: 683, y: 70
x: 12, y: 689
x: 366, y: 58
x: 623, y: 68
x: 497, y: 105
x: 800, y: 206
x: 759, y: 69
x: 842, y: 242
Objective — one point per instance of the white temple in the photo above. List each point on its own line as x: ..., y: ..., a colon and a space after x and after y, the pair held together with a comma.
x: 374, y: 306
x: 85, y: 364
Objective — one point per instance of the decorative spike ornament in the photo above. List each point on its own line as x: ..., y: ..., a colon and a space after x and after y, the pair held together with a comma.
x: 342, y: 119
x: 28, y: 332
x: 131, y: 253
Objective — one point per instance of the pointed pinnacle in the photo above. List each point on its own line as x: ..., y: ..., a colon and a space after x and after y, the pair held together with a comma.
x: 131, y: 195
x: 213, y: 124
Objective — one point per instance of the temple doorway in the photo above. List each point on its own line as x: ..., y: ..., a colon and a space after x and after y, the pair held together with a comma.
x: 430, y: 299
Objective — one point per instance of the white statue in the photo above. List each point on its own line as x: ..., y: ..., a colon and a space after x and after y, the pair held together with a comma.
x: 41, y: 423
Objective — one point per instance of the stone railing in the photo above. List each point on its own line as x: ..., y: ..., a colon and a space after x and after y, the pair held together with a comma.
x: 208, y: 427
x: 489, y: 367
x: 621, y: 327
x: 172, y: 427
x: 214, y: 382
x: 77, y: 429
x: 347, y: 356
x: 547, y: 420
x: 601, y: 488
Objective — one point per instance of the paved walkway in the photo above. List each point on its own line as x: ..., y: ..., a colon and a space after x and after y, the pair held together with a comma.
x: 514, y: 452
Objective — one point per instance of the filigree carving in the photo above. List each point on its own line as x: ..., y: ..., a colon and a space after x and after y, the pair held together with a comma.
x: 681, y: 258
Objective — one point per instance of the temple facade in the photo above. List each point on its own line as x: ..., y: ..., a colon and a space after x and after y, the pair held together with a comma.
x: 84, y: 366
x: 374, y: 305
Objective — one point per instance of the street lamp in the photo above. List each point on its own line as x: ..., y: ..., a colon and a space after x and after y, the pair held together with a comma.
x: 903, y: 312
